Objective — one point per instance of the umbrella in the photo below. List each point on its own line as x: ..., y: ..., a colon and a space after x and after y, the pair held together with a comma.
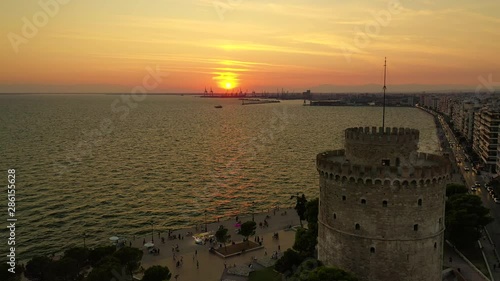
x: 114, y: 238
x: 237, y: 225
x: 149, y: 245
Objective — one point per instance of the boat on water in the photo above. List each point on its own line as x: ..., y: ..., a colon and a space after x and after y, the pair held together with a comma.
x: 218, y: 106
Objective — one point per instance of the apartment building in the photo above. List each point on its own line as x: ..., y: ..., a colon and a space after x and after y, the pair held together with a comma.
x: 485, y: 136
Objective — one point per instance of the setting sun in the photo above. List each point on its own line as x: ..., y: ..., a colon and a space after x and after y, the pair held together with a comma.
x: 226, y: 80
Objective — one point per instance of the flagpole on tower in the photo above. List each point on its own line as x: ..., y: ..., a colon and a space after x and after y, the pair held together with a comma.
x: 383, y: 106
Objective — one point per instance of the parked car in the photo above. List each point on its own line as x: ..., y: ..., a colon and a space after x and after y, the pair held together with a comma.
x: 466, y: 169
x: 473, y: 188
x: 496, y: 200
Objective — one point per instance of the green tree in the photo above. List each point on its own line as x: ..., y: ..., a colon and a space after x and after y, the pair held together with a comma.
x: 8, y: 276
x: 312, y: 210
x: 324, y: 273
x: 453, y: 188
x: 95, y: 255
x: 305, y: 242
x: 36, y: 268
x: 79, y: 254
x: 465, y: 217
x: 222, y: 236
x: 247, y: 229
x: 129, y: 257
x: 290, y: 260
x: 300, y: 207
x: 65, y: 269
x: 107, y: 269
x: 157, y: 273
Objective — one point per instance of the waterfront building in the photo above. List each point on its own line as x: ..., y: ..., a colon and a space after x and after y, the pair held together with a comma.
x: 485, y: 137
x: 381, y: 208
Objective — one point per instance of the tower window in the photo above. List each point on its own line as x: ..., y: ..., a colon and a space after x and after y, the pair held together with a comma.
x: 415, y: 227
x: 420, y: 202
x: 384, y: 203
x: 372, y: 250
x: 398, y: 162
x: 334, y: 216
x: 386, y: 162
x: 440, y: 220
x: 343, y: 198
x: 435, y: 245
x: 363, y: 201
x: 357, y: 226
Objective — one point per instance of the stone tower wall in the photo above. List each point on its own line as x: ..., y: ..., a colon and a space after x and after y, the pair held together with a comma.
x: 382, y: 223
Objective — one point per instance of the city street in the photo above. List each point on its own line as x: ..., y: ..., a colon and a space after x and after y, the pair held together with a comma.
x: 469, y: 178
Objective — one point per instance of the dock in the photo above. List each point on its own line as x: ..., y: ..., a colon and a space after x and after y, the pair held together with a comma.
x: 258, y: 101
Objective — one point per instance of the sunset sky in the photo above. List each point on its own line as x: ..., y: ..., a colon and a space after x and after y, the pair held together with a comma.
x: 106, y: 45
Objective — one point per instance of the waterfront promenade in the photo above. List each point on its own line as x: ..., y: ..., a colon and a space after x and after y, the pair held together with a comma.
x: 210, y: 265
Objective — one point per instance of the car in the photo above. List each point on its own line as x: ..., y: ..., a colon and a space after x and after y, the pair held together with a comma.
x: 478, y: 184
x: 489, y: 188
x: 473, y: 188
x: 496, y: 200
x: 466, y: 169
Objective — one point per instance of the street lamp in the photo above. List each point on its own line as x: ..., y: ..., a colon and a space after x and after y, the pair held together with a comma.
x: 253, y: 209
x: 205, y: 220
x: 152, y: 231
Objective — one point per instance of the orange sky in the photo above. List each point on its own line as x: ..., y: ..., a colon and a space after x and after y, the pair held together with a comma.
x: 101, y: 46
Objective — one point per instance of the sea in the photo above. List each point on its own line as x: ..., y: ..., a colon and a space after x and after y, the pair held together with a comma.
x: 119, y: 165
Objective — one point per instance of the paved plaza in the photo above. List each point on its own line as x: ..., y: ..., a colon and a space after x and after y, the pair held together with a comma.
x: 200, y: 265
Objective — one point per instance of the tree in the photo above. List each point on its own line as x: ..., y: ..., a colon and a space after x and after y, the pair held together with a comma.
x: 300, y: 207
x: 36, y: 268
x: 247, y: 229
x: 95, y: 255
x: 465, y: 217
x: 312, y: 210
x: 107, y: 269
x: 129, y: 257
x: 64, y: 269
x: 305, y: 242
x: 8, y: 276
x: 288, y: 262
x: 453, y: 188
x: 79, y: 254
x: 157, y: 273
x: 324, y: 273
x: 222, y: 236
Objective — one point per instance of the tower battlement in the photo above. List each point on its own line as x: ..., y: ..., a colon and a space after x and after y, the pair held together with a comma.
x: 426, y: 168
x: 365, y: 145
x: 379, y: 135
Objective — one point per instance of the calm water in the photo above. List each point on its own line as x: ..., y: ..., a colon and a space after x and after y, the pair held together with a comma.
x: 85, y: 167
